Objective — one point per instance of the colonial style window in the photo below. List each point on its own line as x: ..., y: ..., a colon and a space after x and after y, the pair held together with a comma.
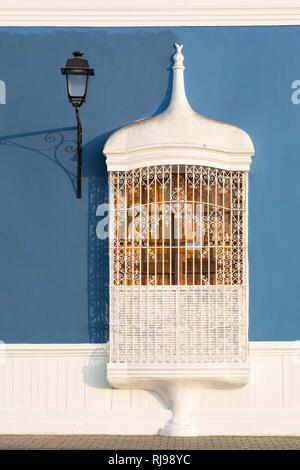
x: 178, y: 254
x: 179, y: 265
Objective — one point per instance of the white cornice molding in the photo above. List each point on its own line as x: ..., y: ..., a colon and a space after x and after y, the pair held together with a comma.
x: 176, y: 156
x: 189, y: 370
x: 257, y: 348
x: 149, y: 13
x: 274, y: 348
x: 53, y: 350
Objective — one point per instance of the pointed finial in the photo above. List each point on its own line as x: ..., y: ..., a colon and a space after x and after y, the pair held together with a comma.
x: 178, y: 57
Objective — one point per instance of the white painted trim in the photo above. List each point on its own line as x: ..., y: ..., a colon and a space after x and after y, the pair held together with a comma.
x: 175, y: 155
x: 149, y: 13
x: 102, y: 349
x: 53, y: 350
x: 273, y: 348
x: 175, y: 369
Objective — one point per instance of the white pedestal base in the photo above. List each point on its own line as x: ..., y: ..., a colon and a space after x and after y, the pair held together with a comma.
x: 180, y: 430
x: 179, y: 386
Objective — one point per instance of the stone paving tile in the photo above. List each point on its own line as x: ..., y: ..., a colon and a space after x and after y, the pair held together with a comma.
x: 118, y: 442
x: 23, y: 442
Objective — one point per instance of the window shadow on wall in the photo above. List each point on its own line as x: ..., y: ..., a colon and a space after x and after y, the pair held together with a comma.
x: 94, y: 375
x: 94, y: 169
x: 166, y: 100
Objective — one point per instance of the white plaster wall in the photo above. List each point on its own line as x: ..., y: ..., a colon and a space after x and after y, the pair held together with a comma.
x: 63, y: 388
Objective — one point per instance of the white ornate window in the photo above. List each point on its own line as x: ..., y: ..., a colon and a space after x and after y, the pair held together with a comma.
x: 178, y: 254
x: 178, y: 272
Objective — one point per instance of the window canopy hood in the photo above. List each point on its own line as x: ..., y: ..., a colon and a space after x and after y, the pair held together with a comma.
x: 179, y: 135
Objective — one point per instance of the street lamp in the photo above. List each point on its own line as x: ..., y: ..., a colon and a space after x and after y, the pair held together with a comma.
x: 77, y: 72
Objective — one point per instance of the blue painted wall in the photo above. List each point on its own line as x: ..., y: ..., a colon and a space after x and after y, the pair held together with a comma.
x: 53, y: 269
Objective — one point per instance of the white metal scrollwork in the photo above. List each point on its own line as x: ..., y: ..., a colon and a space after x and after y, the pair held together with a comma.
x: 178, y: 265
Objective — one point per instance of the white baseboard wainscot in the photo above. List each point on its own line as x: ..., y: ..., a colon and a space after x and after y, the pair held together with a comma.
x: 62, y: 388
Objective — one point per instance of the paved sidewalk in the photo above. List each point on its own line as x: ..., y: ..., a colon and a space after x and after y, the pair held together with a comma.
x: 118, y: 442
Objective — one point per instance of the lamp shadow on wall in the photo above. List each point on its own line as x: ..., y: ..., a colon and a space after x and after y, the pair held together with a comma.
x: 59, y: 146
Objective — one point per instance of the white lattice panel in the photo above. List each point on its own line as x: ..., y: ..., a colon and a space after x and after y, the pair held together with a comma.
x: 178, y: 324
